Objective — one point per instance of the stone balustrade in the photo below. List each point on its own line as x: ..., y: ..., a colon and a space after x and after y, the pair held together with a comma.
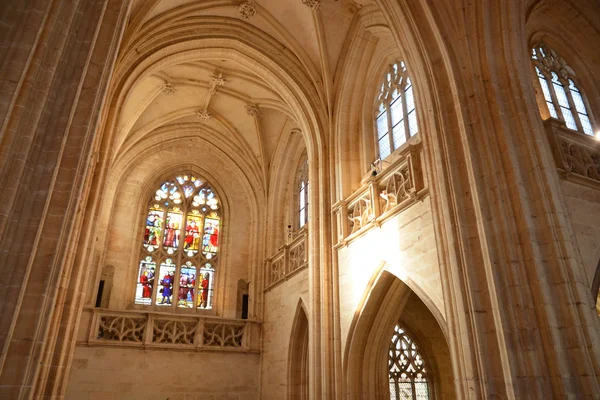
x: 157, y: 330
x: 577, y: 155
x: 289, y: 259
x: 386, y: 192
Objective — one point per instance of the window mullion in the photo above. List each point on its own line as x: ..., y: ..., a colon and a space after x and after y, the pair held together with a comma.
x: 574, y: 111
x: 405, y: 112
x: 390, y: 126
x: 555, y: 102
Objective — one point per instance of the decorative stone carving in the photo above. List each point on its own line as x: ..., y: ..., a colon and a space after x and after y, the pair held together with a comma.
x: 247, y: 9
x: 204, y: 115
x: 315, y: 5
x: 252, y: 109
x: 216, y: 80
x: 168, y: 89
x: 223, y: 335
x: 121, y: 328
x: 360, y: 213
x: 581, y: 160
x: 173, y: 331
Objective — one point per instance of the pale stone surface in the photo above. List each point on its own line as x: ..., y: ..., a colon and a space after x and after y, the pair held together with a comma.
x: 102, y: 99
x: 131, y: 374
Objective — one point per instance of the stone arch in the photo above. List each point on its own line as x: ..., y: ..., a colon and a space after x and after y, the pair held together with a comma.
x: 355, y: 81
x: 285, y: 161
x: 386, y: 301
x: 298, y: 355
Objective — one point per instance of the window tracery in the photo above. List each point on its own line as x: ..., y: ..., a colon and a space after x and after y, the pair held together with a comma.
x: 561, y: 94
x: 408, y: 373
x: 301, y: 192
x: 395, y: 110
x: 180, y: 245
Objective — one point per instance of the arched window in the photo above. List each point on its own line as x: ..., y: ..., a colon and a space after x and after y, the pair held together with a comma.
x: 395, y: 112
x: 408, y: 374
x: 563, y: 98
x: 301, y: 192
x: 180, y: 245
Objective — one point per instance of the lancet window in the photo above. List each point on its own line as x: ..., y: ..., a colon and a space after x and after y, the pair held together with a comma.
x: 563, y: 98
x: 302, y: 192
x: 395, y: 110
x: 179, y: 248
x: 408, y: 372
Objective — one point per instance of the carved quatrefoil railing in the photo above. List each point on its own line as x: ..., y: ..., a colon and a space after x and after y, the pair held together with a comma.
x: 577, y: 155
x: 150, y: 330
x: 290, y: 259
x: 399, y: 185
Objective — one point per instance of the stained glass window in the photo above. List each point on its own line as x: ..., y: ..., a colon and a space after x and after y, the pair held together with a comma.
x: 562, y: 96
x: 395, y: 110
x: 302, y: 192
x: 408, y: 377
x: 180, y: 245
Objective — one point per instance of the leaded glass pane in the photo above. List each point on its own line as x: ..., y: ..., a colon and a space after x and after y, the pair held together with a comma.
x: 167, y: 279
x: 382, y: 125
x: 397, y: 112
x: 586, y: 124
x: 407, y: 369
x: 410, y: 100
x: 563, y: 102
x: 399, y: 135
x: 210, y: 242
x: 546, y: 62
x: 187, y: 285
x: 145, y: 286
x: 547, y: 95
x: 384, y: 147
x: 205, y: 286
x: 181, y: 231
x: 396, y: 97
x: 412, y: 123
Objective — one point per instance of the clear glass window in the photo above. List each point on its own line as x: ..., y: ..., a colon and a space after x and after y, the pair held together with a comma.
x: 395, y: 114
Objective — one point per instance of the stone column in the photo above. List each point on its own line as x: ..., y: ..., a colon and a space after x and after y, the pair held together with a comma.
x: 521, y: 320
x: 56, y: 59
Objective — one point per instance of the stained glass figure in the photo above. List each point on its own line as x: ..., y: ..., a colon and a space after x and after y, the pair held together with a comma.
x: 143, y: 292
x: 181, y: 231
x: 205, y: 286
x: 167, y: 279
x: 154, y: 223
x: 210, y: 241
x: 187, y: 284
x: 191, y: 242
x: 172, y: 230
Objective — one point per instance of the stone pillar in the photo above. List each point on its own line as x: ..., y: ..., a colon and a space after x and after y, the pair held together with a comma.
x: 521, y: 321
x: 56, y: 59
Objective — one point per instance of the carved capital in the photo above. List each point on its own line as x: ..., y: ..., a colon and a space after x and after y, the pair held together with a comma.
x: 247, y: 9
x: 314, y: 5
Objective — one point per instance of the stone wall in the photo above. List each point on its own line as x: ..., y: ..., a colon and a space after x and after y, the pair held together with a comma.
x: 406, y: 243
x: 103, y: 373
x: 583, y: 204
x: 281, y: 303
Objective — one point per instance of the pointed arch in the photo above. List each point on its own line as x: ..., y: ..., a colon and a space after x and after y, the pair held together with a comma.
x: 386, y: 301
x: 298, y: 356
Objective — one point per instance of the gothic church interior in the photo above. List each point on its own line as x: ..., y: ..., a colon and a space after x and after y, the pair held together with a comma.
x: 299, y: 199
